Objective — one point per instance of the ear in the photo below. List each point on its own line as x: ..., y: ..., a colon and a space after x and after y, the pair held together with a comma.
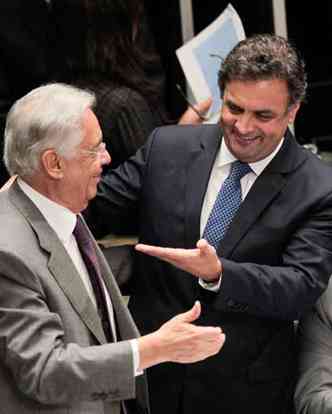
x: 292, y: 113
x: 52, y: 164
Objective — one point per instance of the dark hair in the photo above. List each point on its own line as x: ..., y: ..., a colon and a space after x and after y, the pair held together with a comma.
x: 107, y: 39
x: 264, y: 57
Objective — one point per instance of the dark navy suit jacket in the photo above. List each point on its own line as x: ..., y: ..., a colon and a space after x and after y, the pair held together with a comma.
x: 276, y: 256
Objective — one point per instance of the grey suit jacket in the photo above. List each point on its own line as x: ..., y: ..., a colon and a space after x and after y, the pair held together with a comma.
x: 314, y: 388
x: 53, y: 353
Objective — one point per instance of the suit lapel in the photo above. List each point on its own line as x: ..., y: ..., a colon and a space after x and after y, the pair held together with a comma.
x: 60, y: 263
x: 265, y: 189
x: 70, y: 282
x: 200, y: 164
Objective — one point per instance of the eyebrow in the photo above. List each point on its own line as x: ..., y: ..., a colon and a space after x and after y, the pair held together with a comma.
x: 260, y: 112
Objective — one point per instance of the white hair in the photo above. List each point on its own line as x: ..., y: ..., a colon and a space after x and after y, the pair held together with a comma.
x: 48, y: 117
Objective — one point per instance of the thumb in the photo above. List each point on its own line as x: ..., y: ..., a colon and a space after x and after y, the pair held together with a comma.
x: 203, y: 106
x: 191, y: 315
x: 203, y: 245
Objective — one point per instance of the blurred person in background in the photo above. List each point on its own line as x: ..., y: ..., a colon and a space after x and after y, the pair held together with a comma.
x: 111, y: 52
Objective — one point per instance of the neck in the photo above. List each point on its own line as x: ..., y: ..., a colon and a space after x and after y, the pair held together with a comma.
x: 50, y: 189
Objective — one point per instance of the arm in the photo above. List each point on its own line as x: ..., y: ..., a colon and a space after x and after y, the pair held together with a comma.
x: 41, y: 350
x: 281, y: 291
x: 118, y: 197
x: 47, y: 363
x: 313, y: 393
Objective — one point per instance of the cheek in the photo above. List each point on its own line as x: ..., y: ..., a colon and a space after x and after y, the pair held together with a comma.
x: 272, y: 131
x: 226, y: 118
x: 92, y: 184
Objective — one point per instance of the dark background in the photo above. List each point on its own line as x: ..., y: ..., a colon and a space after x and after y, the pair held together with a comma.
x: 309, y: 28
x: 24, y: 52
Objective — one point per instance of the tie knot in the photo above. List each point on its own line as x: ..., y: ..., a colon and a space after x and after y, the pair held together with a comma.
x: 239, y: 169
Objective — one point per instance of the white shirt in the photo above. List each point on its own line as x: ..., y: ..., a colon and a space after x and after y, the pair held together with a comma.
x: 63, y: 222
x: 220, y: 171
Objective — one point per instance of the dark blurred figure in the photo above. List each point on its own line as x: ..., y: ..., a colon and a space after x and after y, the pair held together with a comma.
x: 110, y: 52
x: 25, y: 56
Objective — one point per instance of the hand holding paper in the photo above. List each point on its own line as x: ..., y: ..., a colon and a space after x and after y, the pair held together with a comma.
x: 201, y: 57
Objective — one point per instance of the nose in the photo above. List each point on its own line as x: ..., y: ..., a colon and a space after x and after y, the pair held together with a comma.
x: 105, y: 158
x: 244, y: 124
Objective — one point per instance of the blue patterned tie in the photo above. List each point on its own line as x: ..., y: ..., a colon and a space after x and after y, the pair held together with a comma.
x: 226, y: 205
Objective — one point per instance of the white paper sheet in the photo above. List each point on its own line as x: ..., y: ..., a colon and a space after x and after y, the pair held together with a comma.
x: 199, y: 67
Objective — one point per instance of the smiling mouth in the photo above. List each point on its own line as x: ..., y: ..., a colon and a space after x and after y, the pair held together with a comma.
x: 248, y: 138
x: 244, y: 138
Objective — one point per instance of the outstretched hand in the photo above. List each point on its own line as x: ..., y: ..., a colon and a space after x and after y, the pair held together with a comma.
x: 179, y: 340
x: 202, y: 261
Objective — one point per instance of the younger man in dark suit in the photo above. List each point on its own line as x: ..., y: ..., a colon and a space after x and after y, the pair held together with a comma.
x: 259, y: 269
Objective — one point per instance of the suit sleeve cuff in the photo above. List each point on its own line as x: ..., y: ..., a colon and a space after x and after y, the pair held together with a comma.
x: 211, y: 286
x: 134, y: 348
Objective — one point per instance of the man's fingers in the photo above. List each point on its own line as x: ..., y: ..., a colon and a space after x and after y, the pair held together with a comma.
x: 166, y: 253
x: 201, y: 261
x: 203, y: 106
x: 191, y: 315
x: 205, y: 247
x: 151, y: 250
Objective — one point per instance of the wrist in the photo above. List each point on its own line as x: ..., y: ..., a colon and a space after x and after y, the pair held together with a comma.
x: 150, y: 348
x: 215, y: 276
x: 212, y: 281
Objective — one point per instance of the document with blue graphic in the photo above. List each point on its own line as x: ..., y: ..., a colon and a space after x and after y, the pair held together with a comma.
x: 200, y: 58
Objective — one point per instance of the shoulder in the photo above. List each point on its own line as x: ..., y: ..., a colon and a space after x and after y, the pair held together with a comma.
x: 302, y: 170
x: 185, y: 136
x: 17, y: 235
x: 316, y: 173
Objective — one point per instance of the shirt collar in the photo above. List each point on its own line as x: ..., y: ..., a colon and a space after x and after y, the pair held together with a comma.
x: 225, y: 157
x: 61, y: 219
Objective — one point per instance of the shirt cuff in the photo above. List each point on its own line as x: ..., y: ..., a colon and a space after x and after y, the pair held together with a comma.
x: 211, y: 286
x: 134, y: 348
